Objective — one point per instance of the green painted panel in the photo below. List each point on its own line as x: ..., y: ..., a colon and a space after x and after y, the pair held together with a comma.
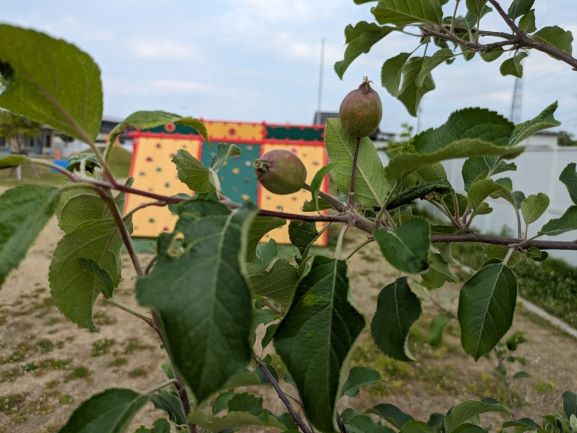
x: 178, y: 129
x: 294, y: 133
x: 237, y: 178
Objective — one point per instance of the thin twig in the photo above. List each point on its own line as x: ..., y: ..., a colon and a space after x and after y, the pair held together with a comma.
x: 150, y: 265
x: 351, y: 198
x: 126, y: 238
x: 159, y: 387
x: 361, y: 245
x: 291, y: 410
x: 454, y: 16
x: 128, y: 309
x: 142, y: 206
x: 341, y: 424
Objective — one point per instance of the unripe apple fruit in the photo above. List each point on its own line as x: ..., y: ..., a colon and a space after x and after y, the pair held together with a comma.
x: 361, y: 110
x: 280, y: 172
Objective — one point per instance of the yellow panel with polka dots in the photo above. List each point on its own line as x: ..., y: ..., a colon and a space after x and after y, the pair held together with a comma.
x: 313, y: 157
x: 153, y: 171
x: 235, y: 131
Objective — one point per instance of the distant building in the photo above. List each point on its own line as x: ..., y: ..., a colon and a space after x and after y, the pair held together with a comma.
x: 60, y: 146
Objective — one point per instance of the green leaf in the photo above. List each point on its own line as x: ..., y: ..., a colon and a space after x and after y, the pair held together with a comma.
x: 207, y: 310
x: 513, y: 66
x: 481, y: 189
x: 569, y: 178
x: 317, y: 182
x: 566, y: 223
x: 543, y: 120
x: 479, y: 123
x: 470, y: 428
x: 233, y: 420
x: 161, y: 425
x: 223, y: 153
x: 315, y: 337
x: 24, y: 211
x: 431, y: 63
x: 260, y: 226
x: 169, y: 402
x: 415, y: 426
x: 438, y: 325
x: 403, y: 12
x: 110, y: 411
x: 406, y: 163
x: 406, y: 247
x: 302, y: 234
x: 277, y: 284
x: 569, y: 403
x: 9, y: 161
x: 491, y: 56
x: 245, y: 402
x: 397, y: 309
x: 522, y: 425
x: 477, y: 8
x: 556, y: 37
x: 359, y: 40
x: 79, y: 204
x: 84, y: 159
x: 392, y: 73
x: 486, y: 306
x: 534, y: 206
x: 521, y: 375
x: 358, y: 377
x: 463, y: 412
x: 392, y: 414
x: 152, y: 119
x: 439, y: 266
x: 414, y: 192
x: 106, y: 284
x: 519, y: 8
x: 74, y: 288
x: 51, y: 81
x: 527, y: 22
x: 371, y: 185
x: 310, y: 206
x: 405, y: 73
x: 91, y: 236
x: 359, y: 423
x: 266, y: 253
x: 192, y: 173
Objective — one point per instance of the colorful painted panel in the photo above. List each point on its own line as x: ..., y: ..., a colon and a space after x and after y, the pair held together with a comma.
x: 154, y: 171
x: 314, y: 158
x: 294, y: 133
x: 237, y: 178
x: 235, y: 131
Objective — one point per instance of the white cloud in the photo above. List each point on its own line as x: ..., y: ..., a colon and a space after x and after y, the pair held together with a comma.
x: 178, y: 86
x: 156, y: 49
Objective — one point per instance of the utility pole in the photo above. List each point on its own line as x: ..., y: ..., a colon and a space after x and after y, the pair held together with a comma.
x: 321, y: 73
x: 517, y: 101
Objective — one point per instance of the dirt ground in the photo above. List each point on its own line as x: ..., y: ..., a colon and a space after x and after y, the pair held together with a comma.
x: 48, y: 366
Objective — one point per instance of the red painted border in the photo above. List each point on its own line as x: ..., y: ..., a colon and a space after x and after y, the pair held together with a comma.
x: 137, y: 134
x: 132, y: 167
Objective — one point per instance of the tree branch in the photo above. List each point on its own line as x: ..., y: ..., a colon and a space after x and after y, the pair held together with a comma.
x: 291, y: 410
x: 126, y: 238
x: 510, y: 242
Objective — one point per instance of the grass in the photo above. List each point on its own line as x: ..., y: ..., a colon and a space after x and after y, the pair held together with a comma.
x: 119, y: 162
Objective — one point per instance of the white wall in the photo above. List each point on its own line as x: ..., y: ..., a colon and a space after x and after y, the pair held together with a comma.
x: 538, y: 170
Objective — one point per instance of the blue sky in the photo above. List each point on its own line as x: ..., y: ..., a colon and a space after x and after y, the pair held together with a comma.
x: 255, y: 60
